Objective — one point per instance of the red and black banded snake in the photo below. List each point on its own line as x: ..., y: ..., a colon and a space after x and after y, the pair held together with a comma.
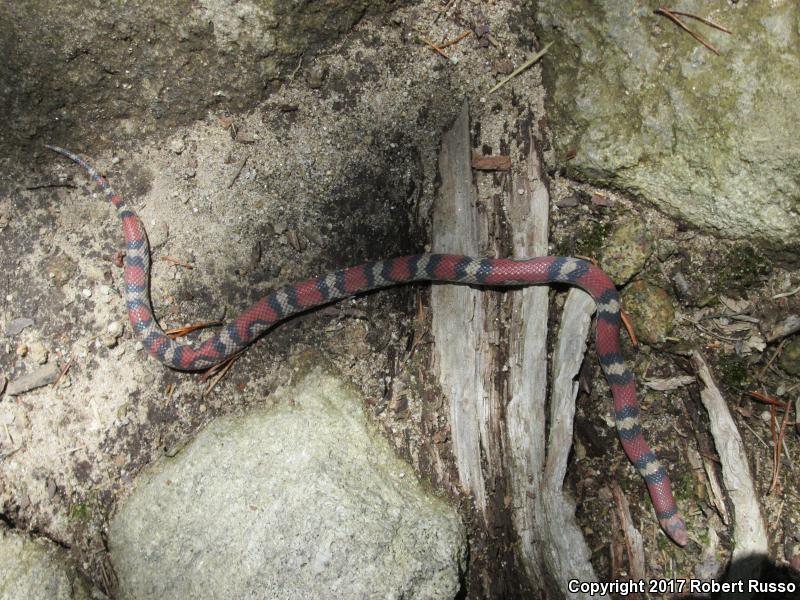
x: 287, y: 301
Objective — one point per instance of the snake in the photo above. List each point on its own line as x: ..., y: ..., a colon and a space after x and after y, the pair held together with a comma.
x: 281, y: 304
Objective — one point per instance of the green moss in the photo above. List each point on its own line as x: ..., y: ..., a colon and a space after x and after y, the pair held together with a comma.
x: 81, y: 512
x: 589, y: 241
x: 742, y: 267
x: 683, y: 486
x: 734, y: 371
x: 702, y: 535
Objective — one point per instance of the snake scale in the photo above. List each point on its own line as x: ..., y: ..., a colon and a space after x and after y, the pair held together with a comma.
x: 287, y: 301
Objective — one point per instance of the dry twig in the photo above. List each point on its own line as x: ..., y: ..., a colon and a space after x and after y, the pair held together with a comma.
x: 776, y: 468
x: 241, y: 165
x: 672, y: 15
x: 528, y: 63
x: 702, y: 20
x: 626, y: 320
x: 219, y: 371
x: 455, y: 41
x: 175, y: 261
x: 177, y: 332
x: 434, y: 47
x: 63, y: 371
x: 771, y: 360
x: 767, y: 399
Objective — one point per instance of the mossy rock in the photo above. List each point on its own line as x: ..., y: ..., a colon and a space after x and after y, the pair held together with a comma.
x: 626, y: 251
x: 651, y: 310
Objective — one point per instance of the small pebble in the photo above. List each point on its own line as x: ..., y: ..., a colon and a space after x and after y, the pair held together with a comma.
x: 651, y: 310
x: 39, y: 353
x: 22, y: 350
x: 502, y: 67
x: 115, y: 328
x: 316, y: 76
x: 177, y: 146
x: 626, y: 250
x: 245, y: 137
x: 580, y: 450
x: 766, y: 417
x: 707, y: 569
x: 86, y: 293
x: 605, y: 493
x: 681, y: 285
x: 569, y: 201
x: 665, y: 248
x: 105, y: 290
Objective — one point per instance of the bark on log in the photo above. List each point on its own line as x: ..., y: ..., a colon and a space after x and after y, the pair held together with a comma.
x: 491, y: 362
x: 459, y: 314
x: 749, y: 529
x: 544, y: 517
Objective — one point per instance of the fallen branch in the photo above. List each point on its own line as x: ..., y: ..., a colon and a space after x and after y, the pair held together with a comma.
x: 785, y: 328
x: 633, y: 539
x: 700, y: 462
x: 749, y: 530
x: 565, y: 549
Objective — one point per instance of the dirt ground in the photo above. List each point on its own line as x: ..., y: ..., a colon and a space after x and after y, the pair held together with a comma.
x: 337, y: 165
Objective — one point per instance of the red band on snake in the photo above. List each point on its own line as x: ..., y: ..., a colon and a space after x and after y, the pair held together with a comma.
x: 285, y: 302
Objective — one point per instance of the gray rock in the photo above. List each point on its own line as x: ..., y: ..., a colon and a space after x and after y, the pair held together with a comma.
x: 17, y: 325
x: 790, y: 357
x: 626, y: 250
x: 645, y: 108
x: 651, y: 310
x: 304, y: 500
x: 37, y: 569
x: 40, y: 377
x: 203, y: 51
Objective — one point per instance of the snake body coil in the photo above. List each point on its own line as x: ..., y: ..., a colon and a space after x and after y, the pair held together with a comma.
x: 281, y: 304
